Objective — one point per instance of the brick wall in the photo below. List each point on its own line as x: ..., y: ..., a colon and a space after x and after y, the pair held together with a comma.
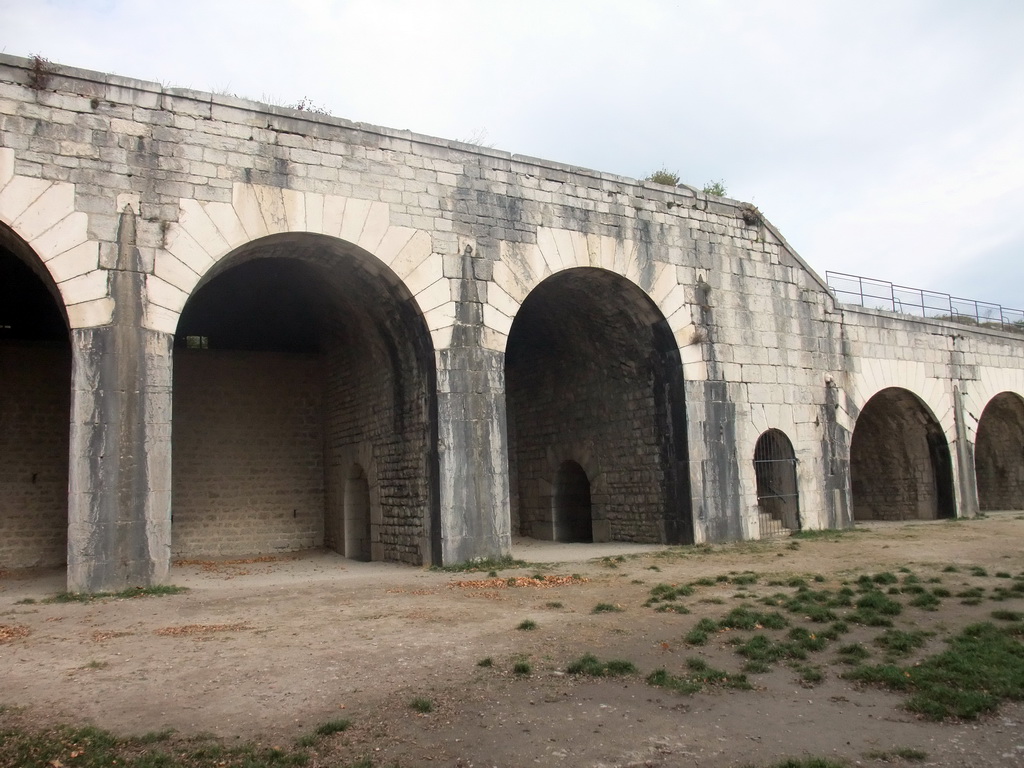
x: 34, y: 417
x: 376, y: 421
x: 247, y: 452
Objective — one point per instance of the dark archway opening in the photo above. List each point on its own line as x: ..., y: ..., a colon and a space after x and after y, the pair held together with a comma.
x: 900, y: 463
x: 35, y: 411
x: 999, y: 454
x: 593, y: 373
x: 778, y: 496
x: 299, y: 359
x: 572, y: 509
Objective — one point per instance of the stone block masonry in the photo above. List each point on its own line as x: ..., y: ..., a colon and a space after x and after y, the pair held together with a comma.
x: 288, y: 330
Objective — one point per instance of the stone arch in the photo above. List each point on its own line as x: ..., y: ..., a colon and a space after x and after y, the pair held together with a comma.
x: 778, y: 493
x: 35, y: 410
x: 297, y: 357
x: 523, y: 267
x: 900, y: 465
x: 999, y: 453
x: 592, y: 374
x: 41, y: 214
x: 206, y: 233
x: 572, y: 511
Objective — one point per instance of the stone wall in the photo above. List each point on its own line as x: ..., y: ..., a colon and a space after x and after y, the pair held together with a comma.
x: 248, y: 453
x: 376, y: 422
x: 34, y: 403
x: 128, y: 196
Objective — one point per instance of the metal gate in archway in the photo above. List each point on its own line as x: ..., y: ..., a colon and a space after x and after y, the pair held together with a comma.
x: 778, y: 497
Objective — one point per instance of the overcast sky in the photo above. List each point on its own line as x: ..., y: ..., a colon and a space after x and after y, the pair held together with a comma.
x: 883, y: 138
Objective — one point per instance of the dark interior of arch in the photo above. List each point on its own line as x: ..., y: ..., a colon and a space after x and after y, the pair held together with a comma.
x: 593, y: 376
x: 35, y: 412
x: 999, y: 453
x: 899, y: 461
x: 778, y: 495
x: 298, y: 360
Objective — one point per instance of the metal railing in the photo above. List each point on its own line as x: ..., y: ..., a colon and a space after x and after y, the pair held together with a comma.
x: 881, y: 294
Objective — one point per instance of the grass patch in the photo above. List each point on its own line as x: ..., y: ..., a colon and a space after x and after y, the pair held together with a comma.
x: 700, y: 632
x: 672, y: 608
x: 90, y: 747
x: 422, y: 705
x: 527, y: 625
x: 160, y: 590
x: 808, y: 674
x: 896, y: 642
x: 482, y: 564
x: 554, y: 604
x: 826, y: 534
x: 746, y: 617
x: 485, y: 662
x: 874, y: 604
x: 1007, y: 615
x: 332, y: 727
x: 853, y: 653
x: 668, y: 592
x: 607, y: 608
x: 698, y: 676
x: 907, y: 754
x: 591, y: 666
x: 926, y: 601
x: 761, y: 650
x: 983, y: 666
x: 521, y: 668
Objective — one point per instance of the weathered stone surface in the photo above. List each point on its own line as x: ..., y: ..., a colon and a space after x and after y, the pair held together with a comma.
x: 478, y: 322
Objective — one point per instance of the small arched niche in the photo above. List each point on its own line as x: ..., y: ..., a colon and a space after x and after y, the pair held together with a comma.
x: 357, y: 515
x: 572, y: 510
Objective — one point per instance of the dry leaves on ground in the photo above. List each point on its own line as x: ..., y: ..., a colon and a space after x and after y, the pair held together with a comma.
x: 202, y: 629
x: 9, y: 632
x: 100, y: 635
x: 542, y: 582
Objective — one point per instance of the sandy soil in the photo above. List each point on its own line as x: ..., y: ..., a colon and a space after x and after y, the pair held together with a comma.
x: 267, y: 649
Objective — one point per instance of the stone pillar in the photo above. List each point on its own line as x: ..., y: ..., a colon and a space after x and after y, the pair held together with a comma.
x: 119, y: 496
x: 968, y: 481
x: 472, y: 438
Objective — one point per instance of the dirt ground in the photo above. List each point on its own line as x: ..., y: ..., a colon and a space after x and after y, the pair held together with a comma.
x: 267, y: 649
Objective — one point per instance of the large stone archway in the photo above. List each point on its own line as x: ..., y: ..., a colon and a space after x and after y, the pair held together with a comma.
x: 999, y: 453
x: 35, y: 403
x: 593, y: 377
x: 900, y: 464
x: 298, y: 357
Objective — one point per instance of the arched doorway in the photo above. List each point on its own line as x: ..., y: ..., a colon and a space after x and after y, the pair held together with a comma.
x: 999, y: 453
x: 35, y: 411
x: 900, y: 466
x: 778, y: 497
x: 593, y: 374
x: 572, y: 511
x: 298, y: 357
